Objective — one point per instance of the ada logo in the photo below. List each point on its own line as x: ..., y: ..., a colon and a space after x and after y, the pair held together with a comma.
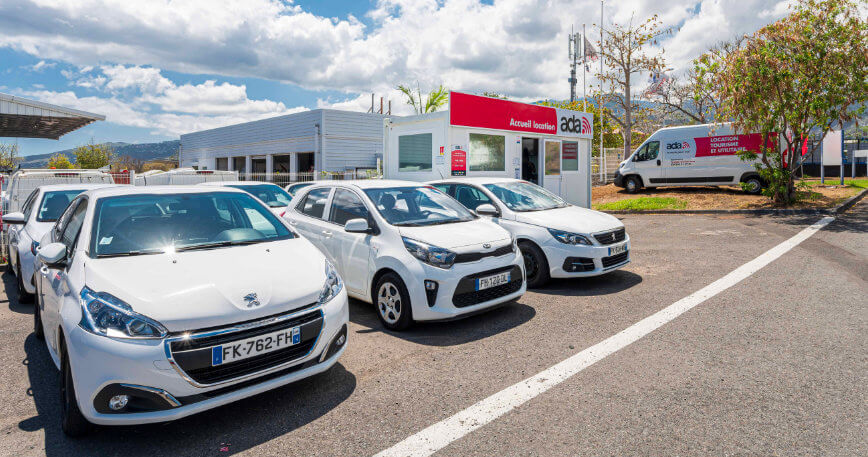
x: 677, y: 145
x: 576, y: 125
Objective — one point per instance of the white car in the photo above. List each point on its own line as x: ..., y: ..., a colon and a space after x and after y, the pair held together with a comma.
x: 271, y: 194
x: 408, y: 248
x: 297, y: 186
x: 556, y: 239
x: 38, y: 214
x: 160, y: 302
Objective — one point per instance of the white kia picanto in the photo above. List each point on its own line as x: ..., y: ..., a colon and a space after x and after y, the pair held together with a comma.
x: 160, y: 302
x: 410, y: 249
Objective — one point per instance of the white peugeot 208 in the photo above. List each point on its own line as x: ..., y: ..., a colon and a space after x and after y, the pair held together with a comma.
x: 410, y: 249
x: 160, y: 302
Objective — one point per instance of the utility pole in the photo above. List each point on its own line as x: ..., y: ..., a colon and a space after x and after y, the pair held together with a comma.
x: 584, y: 68
x: 600, y: 52
x: 571, y: 50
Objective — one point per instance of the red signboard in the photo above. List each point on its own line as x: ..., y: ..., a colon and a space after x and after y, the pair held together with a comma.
x: 570, y: 151
x: 493, y: 113
x: 712, y: 146
x: 459, y: 163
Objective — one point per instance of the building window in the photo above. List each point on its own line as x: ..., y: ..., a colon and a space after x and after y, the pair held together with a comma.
x: 239, y: 164
x: 487, y: 152
x: 280, y: 163
x: 222, y: 163
x: 415, y: 152
x: 553, y: 158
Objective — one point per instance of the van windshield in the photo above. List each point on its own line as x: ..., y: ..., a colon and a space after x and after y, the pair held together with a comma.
x: 417, y: 206
x: 524, y: 196
x: 154, y: 223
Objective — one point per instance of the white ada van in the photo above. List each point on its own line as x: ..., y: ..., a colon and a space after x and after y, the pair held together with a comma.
x: 698, y: 155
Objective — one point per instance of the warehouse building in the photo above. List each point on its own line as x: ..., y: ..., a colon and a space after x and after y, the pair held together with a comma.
x: 311, y: 141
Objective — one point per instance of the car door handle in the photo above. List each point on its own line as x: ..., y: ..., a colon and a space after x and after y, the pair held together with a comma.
x: 293, y: 222
x: 658, y: 162
x: 326, y: 233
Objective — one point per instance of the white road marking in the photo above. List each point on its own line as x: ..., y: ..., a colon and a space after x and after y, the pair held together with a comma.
x: 441, y: 434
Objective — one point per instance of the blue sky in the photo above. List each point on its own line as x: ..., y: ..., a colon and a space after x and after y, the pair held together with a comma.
x: 188, y: 65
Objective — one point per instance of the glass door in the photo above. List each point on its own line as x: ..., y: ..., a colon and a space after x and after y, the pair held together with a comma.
x: 552, y: 166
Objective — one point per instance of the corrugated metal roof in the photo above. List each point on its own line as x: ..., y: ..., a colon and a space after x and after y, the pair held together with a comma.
x: 21, y: 117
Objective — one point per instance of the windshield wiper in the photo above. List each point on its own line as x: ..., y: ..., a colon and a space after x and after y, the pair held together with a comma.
x: 126, y: 254
x: 218, y: 244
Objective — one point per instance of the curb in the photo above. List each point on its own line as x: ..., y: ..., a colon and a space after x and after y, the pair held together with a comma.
x: 847, y: 204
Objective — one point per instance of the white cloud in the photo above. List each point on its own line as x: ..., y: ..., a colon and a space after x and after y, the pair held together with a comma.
x: 40, y: 66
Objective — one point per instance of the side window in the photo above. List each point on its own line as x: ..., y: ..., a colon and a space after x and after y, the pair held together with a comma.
x: 314, y: 202
x: 70, y: 233
x: 63, y: 220
x: 28, y: 205
x: 641, y: 153
x: 471, y: 197
x: 347, y: 205
x: 445, y: 188
x: 653, y: 149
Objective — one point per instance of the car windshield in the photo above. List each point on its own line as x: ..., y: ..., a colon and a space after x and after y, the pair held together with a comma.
x: 271, y: 194
x: 294, y: 188
x: 53, y: 204
x: 524, y: 196
x: 417, y: 206
x: 153, y: 223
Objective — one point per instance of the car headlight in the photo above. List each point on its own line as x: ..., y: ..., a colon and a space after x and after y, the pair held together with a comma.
x: 432, y: 255
x: 332, y: 286
x: 106, y: 315
x: 570, y: 238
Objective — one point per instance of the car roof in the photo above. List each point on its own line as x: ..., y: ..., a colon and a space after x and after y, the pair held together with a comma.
x: 236, y: 183
x: 370, y: 183
x: 114, y: 191
x: 73, y: 186
x: 478, y: 180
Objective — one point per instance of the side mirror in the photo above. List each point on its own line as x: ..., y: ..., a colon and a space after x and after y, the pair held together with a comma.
x: 52, y: 255
x: 486, y: 209
x: 16, y: 218
x: 357, y: 226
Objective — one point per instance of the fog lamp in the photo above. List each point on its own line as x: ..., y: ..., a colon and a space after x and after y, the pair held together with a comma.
x: 119, y: 402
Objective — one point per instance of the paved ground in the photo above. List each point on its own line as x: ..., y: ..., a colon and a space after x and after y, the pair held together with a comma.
x: 774, y: 365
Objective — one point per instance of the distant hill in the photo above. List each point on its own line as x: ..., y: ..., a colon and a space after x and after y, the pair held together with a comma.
x: 140, y: 151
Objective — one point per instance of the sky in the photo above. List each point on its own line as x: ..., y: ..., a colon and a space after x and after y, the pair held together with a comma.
x: 158, y: 69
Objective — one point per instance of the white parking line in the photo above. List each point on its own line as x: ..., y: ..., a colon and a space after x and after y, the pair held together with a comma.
x: 439, y: 435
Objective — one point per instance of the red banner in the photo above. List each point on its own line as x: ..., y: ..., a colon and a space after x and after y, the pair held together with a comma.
x: 725, y: 145
x: 570, y: 151
x: 493, y: 113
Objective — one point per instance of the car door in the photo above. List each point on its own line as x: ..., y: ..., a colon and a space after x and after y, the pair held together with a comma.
x: 649, y: 164
x: 55, y: 282
x: 351, y: 251
x: 308, y: 217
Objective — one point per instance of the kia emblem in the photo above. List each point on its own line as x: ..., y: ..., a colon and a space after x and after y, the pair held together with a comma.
x: 486, y: 245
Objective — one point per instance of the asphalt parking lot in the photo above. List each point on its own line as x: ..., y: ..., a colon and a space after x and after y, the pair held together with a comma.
x: 775, y: 364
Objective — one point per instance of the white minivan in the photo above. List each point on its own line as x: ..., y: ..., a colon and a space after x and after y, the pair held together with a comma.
x: 699, y: 155
x: 408, y: 248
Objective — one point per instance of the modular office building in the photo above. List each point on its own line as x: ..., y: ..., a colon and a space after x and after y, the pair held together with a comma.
x: 311, y: 141
x: 483, y: 136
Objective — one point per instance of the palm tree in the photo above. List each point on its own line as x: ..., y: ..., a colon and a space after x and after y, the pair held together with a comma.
x: 436, y: 98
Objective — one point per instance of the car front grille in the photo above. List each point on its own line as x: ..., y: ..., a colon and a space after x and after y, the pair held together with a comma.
x: 467, y: 295
x: 612, y: 237
x: 474, y: 256
x: 615, y: 259
x: 193, y: 354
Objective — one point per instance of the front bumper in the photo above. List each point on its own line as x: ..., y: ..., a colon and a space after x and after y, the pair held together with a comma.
x: 583, y: 260
x: 101, y: 364
x: 619, y: 178
x: 455, y: 280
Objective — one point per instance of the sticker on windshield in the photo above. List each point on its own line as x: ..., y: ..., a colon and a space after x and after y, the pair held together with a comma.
x: 106, y: 240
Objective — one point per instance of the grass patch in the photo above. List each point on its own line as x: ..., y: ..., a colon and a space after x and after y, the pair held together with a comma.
x: 643, y: 204
x: 854, y: 183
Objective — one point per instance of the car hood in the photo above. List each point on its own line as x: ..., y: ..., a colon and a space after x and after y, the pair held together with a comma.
x: 201, y: 289
x: 460, y: 234
x: 572, y: 219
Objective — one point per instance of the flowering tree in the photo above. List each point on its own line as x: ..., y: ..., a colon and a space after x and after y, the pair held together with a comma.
x: 807, y: 72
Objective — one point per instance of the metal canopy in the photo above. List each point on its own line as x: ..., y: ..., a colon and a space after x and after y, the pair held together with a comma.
x: 20, y: 117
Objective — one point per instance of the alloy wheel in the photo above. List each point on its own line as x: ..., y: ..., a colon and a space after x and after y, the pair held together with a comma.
x: 389, y: 303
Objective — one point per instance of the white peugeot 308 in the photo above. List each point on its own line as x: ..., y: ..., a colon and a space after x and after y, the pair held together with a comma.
x: 157, y: 303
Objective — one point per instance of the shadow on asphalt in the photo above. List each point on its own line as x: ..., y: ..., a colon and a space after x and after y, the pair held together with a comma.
x: 236, y: 427
x: 11, y: 288
x: 472, y: 328
x: 609, y: 283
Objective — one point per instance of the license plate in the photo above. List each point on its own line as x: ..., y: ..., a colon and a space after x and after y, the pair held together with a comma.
x: 615, y: 250
x: 255, y: 345
x: 492, y: 281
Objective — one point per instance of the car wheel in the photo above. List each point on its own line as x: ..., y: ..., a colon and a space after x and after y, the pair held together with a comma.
x: 753, y: 185
x: 393, y: 302
x: 23, y: 295
x: 72, y: 422
x: 632, y: 184
x: 536, y: 267
x: 38, y: 332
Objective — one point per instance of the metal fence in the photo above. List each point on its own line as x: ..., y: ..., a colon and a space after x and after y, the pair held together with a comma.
x: 603, y: 170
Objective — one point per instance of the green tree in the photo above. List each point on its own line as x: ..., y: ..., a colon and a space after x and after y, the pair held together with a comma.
x: 434, y: 101
x: 8, y: 156
x: 807, y: 72
x: 602, y: 120
x: 93, y: 155
x: 59, y: 161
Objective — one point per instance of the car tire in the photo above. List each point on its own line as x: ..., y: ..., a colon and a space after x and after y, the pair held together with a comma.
x: 536, y: 266
x: 393, y: 302
x: 38, y: 331
x: 72, y: 421
x: 23, y: 295
x: 754, y: 185
x: 632, y: 184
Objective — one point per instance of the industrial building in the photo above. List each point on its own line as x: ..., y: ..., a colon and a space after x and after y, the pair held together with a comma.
x: 311, y: 141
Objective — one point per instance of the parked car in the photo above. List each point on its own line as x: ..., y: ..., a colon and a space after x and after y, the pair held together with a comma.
x: 409, y: 249
x: 556, y: 239
x: 293, y: 188
x: 693, y: 155
x: 182, y: 176
x: 271, y: 194
x: 40, y: 211
x: 160, y: 302
x: 24, y: 181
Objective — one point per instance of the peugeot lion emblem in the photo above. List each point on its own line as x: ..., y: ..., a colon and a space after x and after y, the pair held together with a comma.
x: 486, y: 245
x: 252, y: 300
